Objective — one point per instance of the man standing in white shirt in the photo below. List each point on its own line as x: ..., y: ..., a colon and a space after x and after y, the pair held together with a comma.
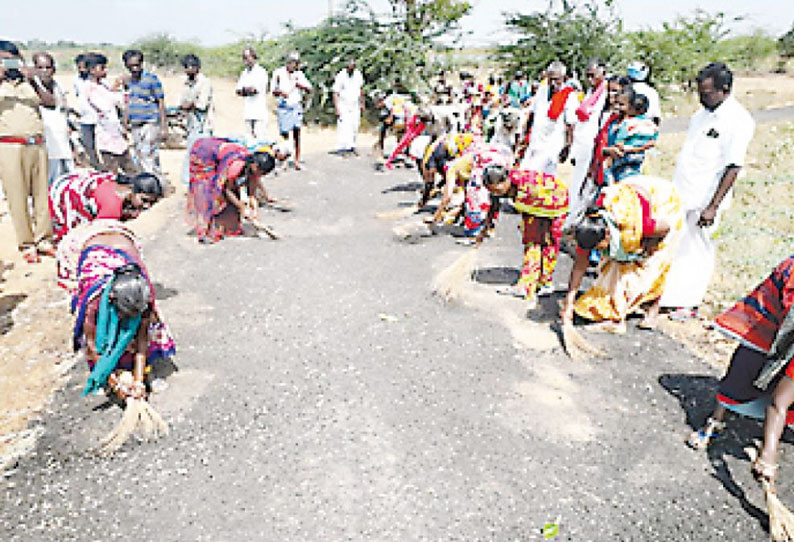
x: 585, y: 130
x: 252, y: 86
x: 348, y: 105
x: 288, y: 85
x: 551, y: 119
x: 88, y: 117
x: 56, y: 129
x: 708, y: 165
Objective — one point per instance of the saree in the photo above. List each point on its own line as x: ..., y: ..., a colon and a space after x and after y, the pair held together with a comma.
x: 629, y: 276
x: 72, y: 201
x: 478, y: 197
x: 95, y: 267
x: 213, y: 162
x: 760, y: 322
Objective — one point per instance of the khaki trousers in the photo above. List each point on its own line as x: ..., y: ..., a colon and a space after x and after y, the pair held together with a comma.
x: 23, y: 170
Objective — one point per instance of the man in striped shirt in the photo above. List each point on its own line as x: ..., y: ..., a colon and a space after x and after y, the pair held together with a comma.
x: 145, y: 112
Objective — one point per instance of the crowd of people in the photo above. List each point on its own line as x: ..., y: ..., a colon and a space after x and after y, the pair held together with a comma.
x: 477, y: 146
x: 648, y: 241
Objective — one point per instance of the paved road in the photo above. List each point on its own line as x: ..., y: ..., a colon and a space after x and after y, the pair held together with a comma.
x: 774, y: 114
x: 300, y: 414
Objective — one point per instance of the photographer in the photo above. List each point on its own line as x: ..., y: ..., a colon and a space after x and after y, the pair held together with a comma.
x: 23, y: 159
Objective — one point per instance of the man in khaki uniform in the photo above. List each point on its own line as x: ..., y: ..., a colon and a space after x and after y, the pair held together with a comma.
x: 23, y: 158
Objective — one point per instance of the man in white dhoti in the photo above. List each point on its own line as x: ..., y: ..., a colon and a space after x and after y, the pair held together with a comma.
x: 710, y: 160
x: 551, y: 120
x: 588, y: 115
x: 252, y: 86
x: 348, y: 104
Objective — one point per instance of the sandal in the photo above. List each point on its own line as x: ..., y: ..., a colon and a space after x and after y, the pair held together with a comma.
x: 46, y: 249
x: 700, y: 439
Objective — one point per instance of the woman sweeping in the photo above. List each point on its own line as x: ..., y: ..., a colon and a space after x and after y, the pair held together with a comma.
x: 635, y: 228
x: 760, y: 379
x: 219, y: 169
x: 86, y: 195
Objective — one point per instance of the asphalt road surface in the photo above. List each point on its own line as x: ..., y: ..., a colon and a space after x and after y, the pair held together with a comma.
x: 324, y: 394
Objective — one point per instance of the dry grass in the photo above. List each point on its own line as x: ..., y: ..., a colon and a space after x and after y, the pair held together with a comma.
x: 753, y: 91
x: 757, y: 232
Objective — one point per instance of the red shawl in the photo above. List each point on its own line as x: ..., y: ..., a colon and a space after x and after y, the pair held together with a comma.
x: 558, y: 102
x: 601, y: 141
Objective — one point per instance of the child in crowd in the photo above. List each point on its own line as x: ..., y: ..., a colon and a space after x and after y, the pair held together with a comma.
x: 634, y: 135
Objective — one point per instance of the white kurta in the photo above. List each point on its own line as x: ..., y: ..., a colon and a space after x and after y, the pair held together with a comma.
x: 584, y: 134
x: 548, y: 136
x: 347, y: 88
x: 715, y: 140
x: 254, y: 107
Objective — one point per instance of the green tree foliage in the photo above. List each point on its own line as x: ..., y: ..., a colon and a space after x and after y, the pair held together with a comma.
x: 429, y: 19
x: 677, y: 51
x: 785, y: 44
x: 384, y: 53
x: 573, y: 34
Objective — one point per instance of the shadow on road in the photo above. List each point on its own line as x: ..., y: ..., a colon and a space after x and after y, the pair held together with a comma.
x: 696, y: 395
x: 7, y: 305
x: 163, y: 292
x: 496, y: 275
x: 412, y: 186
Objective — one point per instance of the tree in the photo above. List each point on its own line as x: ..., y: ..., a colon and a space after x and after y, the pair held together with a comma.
x: 682, y: 47
x: 429, y: 19
x: 572, y: 33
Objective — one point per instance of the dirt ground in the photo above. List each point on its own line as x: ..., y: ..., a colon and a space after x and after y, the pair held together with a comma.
x: 35, y: 325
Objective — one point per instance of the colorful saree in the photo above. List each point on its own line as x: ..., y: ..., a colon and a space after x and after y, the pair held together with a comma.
x: 755, y: 322
x: 213, y: 162
x: 72, y: 201
x: 629, y: 276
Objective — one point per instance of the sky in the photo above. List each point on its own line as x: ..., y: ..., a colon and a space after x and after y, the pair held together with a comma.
x: 214, y: 22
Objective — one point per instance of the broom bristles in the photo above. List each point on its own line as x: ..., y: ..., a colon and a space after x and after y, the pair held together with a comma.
x: 781, y: 520
x: 139, y: 417
x: 396, y: 215
x: 261, y: 227
x: 449, y: 282
x: 577, y: 347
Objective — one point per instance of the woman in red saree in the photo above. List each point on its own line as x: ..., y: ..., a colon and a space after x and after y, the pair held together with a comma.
x: 219, y: 168
x: 760, y: 379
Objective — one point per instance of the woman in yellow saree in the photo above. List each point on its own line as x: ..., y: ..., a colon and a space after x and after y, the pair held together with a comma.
x: 636, y: 226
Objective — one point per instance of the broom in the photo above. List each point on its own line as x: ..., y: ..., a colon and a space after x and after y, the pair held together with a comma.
x: 139, y: 417
x: 576, y: 346
x: 261, y: 227
x: 781, y: 520
x: 448, y: 283
x: 398, y: 214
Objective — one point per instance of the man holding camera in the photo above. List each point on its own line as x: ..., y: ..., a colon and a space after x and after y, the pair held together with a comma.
x: 23, y: 158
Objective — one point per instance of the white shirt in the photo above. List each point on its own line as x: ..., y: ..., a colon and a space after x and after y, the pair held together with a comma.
x: 654, y: 105
x: 348, y: 88
x: 254, y: 107
x: 715, y: 140
x: 548, y: 136
x: 87, y: 113
x: 288, y: 82
x: 56, y: 130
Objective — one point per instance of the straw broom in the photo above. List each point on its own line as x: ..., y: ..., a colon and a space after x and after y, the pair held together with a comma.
x: 781, y: 520
x: 449, y: 282
x: 577, y: 347
x: 398, y: 214
x: 139, y: 417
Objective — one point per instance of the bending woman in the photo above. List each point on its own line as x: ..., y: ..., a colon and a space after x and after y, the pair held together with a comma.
x: 760, y: 379
x: 117, y: 324
x: 636, y: 228
x: 219, y: 169
x: 86, y: 195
